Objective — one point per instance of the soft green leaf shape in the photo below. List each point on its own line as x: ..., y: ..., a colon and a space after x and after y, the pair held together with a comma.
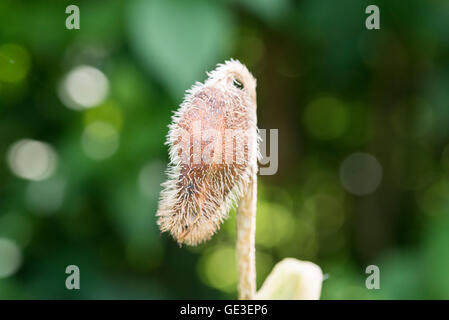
x: 292, y: 279
x: 178, y: 40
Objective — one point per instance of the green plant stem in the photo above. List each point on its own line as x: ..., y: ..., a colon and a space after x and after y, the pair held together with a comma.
x: 246, y: 232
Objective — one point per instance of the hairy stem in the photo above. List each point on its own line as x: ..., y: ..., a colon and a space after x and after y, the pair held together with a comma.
x: 246, y: 232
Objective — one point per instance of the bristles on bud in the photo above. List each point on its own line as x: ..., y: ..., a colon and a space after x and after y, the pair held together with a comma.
x: 213, y: 153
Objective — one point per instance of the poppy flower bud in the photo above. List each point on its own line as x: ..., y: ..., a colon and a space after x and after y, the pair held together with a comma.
x: 213, y: 154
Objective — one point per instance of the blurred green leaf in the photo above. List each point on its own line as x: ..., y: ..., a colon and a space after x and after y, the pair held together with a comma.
x: 178, y: 41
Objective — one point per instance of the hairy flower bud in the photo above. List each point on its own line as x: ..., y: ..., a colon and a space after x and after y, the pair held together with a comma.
x: 213, y: 154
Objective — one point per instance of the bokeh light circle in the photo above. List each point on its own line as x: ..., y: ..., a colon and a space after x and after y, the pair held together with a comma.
x: 325, y: 118
x: 14, y: 63
x: 100, y: 140
x: 10, y: 257
x: 84, y: 87
x: 360, y: 173
x: 45, y: 197
x: 217, y: 268
x: 150, y: 178
x: 32, y: 159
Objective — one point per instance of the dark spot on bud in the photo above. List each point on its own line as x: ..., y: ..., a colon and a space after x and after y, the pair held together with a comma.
x: 238, y: 84
x: 189, y: 189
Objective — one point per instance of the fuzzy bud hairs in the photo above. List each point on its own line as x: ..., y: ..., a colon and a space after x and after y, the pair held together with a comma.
x: 213, y: 154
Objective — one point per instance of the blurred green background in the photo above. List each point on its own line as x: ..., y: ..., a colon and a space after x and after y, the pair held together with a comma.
x: 363, y: 119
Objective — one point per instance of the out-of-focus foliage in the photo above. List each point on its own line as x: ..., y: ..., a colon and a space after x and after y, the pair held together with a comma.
x: 363, y: 119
